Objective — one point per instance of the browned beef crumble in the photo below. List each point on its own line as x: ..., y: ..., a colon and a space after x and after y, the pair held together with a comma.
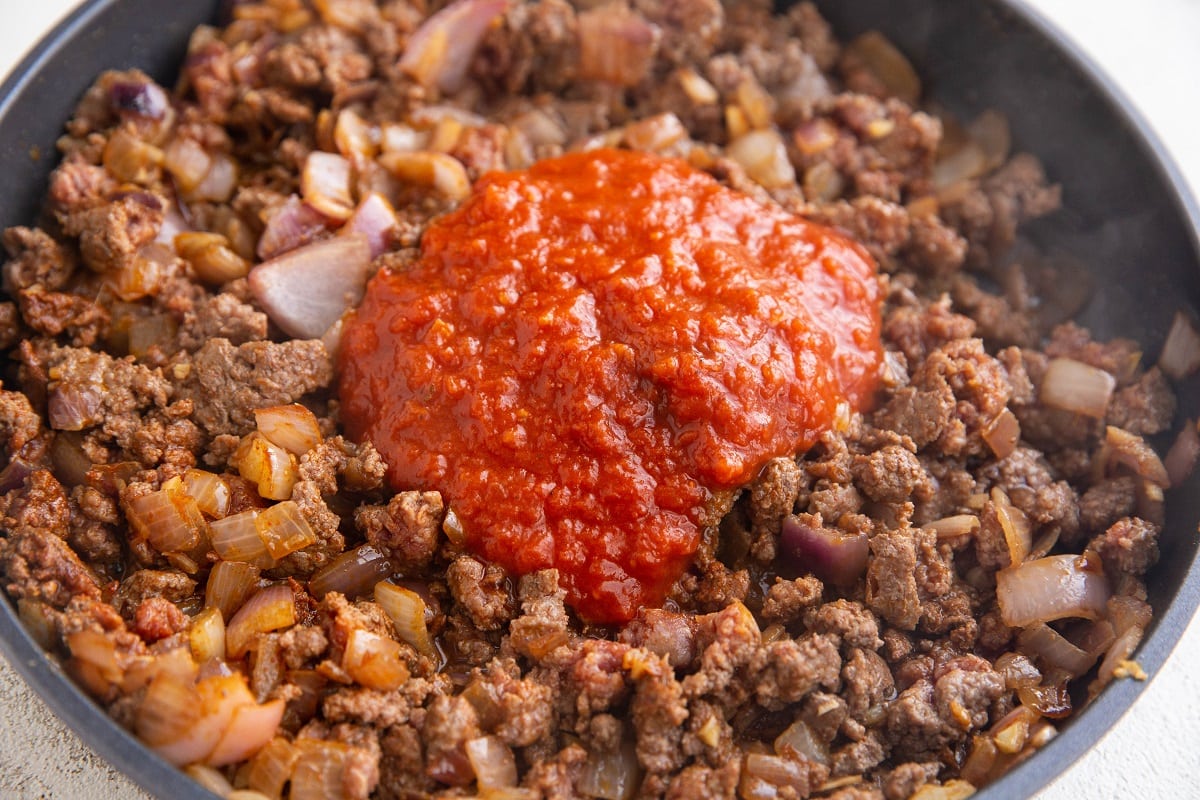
x: 758, y: 679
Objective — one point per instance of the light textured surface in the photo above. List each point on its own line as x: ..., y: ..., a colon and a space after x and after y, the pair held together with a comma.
x: 1153, y: 57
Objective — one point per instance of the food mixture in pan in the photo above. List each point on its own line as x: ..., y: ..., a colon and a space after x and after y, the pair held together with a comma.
x: 543, y: 400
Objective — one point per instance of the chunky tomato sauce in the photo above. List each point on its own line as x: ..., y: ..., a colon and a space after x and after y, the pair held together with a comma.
x: 587, y: 351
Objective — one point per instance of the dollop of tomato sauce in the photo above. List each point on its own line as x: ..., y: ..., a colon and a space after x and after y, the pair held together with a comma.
x: 588, y: 352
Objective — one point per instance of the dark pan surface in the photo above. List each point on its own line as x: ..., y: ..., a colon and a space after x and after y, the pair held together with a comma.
x: 1129, y: 218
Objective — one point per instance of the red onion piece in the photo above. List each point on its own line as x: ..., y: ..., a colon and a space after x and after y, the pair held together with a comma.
x: 291, y: 225
x: 831, y: 555
x: 440, y: 51
x: 13, y: 476
x: 73, y: 408
x: 142, y: 99
x: 1182, y: 457
x: 375, y: 219
x: 308, y: 289
x: 353, y: 573
x: 1050, y: 588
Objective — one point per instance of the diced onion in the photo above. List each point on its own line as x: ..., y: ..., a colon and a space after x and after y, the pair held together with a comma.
x: 777, y: 771
x: 799, y: 737
x: 188, y: 162
x: 130, y: 159
x: 168, y: 709
x: 888, y: 65
x: 375, y: 219
x: 169, y: 519
x: 492, y: 761
x: 407, y: 611
x: 1017, y: 670
x: 1002, y: 433
x: 289, y: 226
x: 71, y: 463
x: 831, y: 555
x: 611, y: 775
x: 1050, y: 588
x: 1120, y: 651
x: 210, y: 491
x: 211, y: 256
x: 655, y: 133
x: 272, y: 766
x: 439, y: 172
x: 1053, y: 700
x: 306, y: 290
x: 440, y: 51
x: 1018, y: 533
x: 250, y: 729
x: 218, y: 698
x: 292, y: 427
x: 374, y: 661
x: 229, y: 584
x: 1054, y: 650
x: 1182, y: 457
x: 267, y: 610
x: 218, y: 183
x: 957, y: 525
x: 266, y: 464
x: 237, y: 538
x: 1074, y: 386
x: 763, y: 155
x: 354, y: 136
x: 319, y: 770
x: 210, y: 779
x: 1131, y: 450
x: 207, y: 635
x: 1181, y: 351
x: 284, y: 529
x: 353, y: 573
x: 325, y: 184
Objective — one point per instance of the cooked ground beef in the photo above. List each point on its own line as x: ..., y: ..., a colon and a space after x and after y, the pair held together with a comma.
x: 174, y: 455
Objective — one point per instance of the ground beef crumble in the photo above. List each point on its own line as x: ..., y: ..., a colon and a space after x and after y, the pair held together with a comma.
x: 137, y: 461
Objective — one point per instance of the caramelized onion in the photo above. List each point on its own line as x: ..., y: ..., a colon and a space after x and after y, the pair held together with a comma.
x: 169, y: 518
x: 206, y: 635
x: 229, y: 584
x: 325, y: 185
x: 878, y: 55
x: 211, y: 256
x: 1181, y: 351
x: 307, y: 289
x: 251, y: 727
x: 1002, y: 434
x: 374, y: 661
x: 438, y: 172
x: 269, y: 609
x: 211, y: 492
x: 292, y: 427
x: 1050, y: 588
x: 1054, y: 650
x: 407, y: 611
x: 266, y: 464
x: 1131, y: 450
x: 1074, y: 386
x: 353, y: 573
x: 318, y: 772
x: 440, y: 51
x: 1018, y: 534
x: 831, y: 555
x: 1017, y: 670
x: 763, y: 155
x: 799, y: 738
x: 1053, y: 701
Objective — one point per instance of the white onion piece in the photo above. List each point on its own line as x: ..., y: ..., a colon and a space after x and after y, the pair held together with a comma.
x: 319, y: 771
x: 799, y: 737
x: 1131, y: 450
x: 492, y: 761
x: 1002, y: 433
x: 950, y: 790
x: 216, y: 699
x: 1048, y: 589
x: 951, y: 527
x: 439, y: 172
x: 206, y: 635
x: 1182, y: 457
x: 611, y: 775
x: 250, y: 729
x: 325, y: 184
x: 1055, y: 650
x: 266, y: 464
x: 289, y: 226
x: 375, y: 219
x: 229, y: 584
x: 210, y: 491
x: 272, y: 766
x: 308, y: 289
x: 1018, y: 534
x: 218, y: 184
x: 1181, y: 351
x: 188, y: 162
x: 354, y: 136
x: 236, y: 538
x: 270, y: 609
x: 1074, y: 386
x: 374, y: 661
x: 440, y: 51
x: 407, y: 611
x: 292, y: 427
x: 284, y: 529
x: 1120, y: 651
x: 763, y: 155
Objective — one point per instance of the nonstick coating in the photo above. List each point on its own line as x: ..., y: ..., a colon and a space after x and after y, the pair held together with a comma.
x: 1129, y: 218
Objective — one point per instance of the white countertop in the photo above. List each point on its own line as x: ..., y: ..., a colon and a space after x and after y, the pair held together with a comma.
x: 1153, y: 56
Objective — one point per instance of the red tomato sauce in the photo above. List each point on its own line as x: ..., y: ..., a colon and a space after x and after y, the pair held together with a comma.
x: 585, y: 352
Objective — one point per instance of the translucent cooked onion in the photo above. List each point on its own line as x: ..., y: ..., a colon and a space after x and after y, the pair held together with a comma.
x: 1181, y: 351
x: 1074, y: 386
x: 218, y: 183
x: 1017, y: 670
x: 284, y: 529
x: 289, y: 226
x: 833, y: 556
x: 353, y: 136
x: 206, y: 635
x: 306, y: 290
x: 292, y: 427
x: 655, y: 133
x: 229, y: 584
x: 1118, y: 654
x: 613, y: 774
x: 150, y: 331
x: 957, y: 525
x: 188, y: 162
x: 616, y: 45
x: 210, y: 491
x: 15, y: 472
x: 950, y: 790
x: 210, y: 779
x: 130, y: 159
x: 237, y: 538
x: 873, y: 50
x: 777, y: 771
x: 763, y: 155
x: 251, y: 727
x: 71, y: 462
x: 353, y: 573
x: 492, y: 761
x: 440, y: 51
x: 318, y: 772
x: 96, y: 660
x: 799, y: 738
x: 325, y: 184
x: 1131, y: 450
x: 438, y: 172
x: 374, y: 661
x: 1002, y: 434
x: 269, y: 609
x: 169, y: 519
x: 1054, y: 650
x: 168, y: 709
x: 1018, y: 533
x: 375, y: 219
x: 272, y: 766
x: 1050, y: 588
x: 1053, y: 700
x: 407, y: 611
x: 211, y: 256
x: 218, y: 697
x: 1182, y: 457
x: 269, y: 466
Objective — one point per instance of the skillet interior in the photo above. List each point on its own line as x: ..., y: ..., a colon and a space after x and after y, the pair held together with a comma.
x: 1128, y: 218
